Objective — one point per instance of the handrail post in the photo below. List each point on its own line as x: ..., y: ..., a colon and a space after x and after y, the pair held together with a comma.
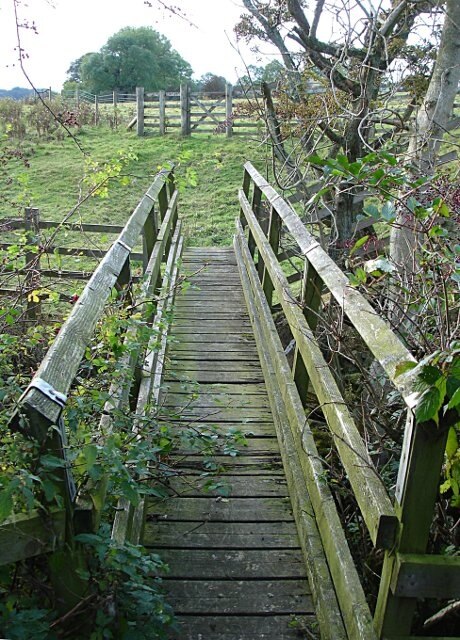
x: 149, y: 236
x: 140, y: 110
x: 310, y: 299
x: 273, y: 235
x: 416, y: 491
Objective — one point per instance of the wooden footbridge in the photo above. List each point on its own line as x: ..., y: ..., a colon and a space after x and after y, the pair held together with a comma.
x: 250, y: 532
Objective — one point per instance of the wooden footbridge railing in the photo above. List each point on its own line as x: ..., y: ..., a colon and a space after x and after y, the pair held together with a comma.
x: 226, y: 345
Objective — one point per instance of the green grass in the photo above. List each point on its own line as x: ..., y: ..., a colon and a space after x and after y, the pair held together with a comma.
x: 214, y: 163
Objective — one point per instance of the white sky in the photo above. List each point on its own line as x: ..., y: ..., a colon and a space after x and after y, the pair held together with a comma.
x: 69, y: 28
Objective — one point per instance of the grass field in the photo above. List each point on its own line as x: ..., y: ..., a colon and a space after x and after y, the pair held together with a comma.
x: 209, y: 172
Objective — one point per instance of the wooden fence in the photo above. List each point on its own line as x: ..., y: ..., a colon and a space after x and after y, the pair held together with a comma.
x: 192, y: 112
x: 399, y: 529
x: 31, y: 277
x: 155, y: 219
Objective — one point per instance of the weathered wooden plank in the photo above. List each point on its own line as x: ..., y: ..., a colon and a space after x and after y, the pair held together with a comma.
x: 245, y: 465
x: 255, y: 627
x: 197, y: 327
x: 220, y: 356
x: 28, y: 535
x: 217, y: 414
x: 222, y: 510
x: 230, y: 486
x: 236, y: 366
x: 426, y: 576
x: 222, y: 400
x: 235, y: 377
x: 221, y: 535
x: 232, y: 564
x: 217, y: 388
x: 255, y: 445
x: 239, y: 597
x: 257, y: 429
x: 240, y: 340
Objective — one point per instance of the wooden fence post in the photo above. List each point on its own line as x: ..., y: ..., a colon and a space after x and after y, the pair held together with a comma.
x: 162, y: 111
x: 115, y: 109
x: 140, y: 110
x: 77, y: 98
x: 229, y: 110
x: 96, y: 110
x: 32, y: 262
x: 185, y: 109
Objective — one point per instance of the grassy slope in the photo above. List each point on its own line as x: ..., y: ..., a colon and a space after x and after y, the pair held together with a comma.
x: 209, y: 208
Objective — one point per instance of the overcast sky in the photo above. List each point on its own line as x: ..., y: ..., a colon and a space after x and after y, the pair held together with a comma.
x: 69, y: 28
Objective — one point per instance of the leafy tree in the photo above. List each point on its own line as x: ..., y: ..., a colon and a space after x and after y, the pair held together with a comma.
x: 353, y: 66
x: 211, y: 83
x: 132, y: 57
x: 272, y: 72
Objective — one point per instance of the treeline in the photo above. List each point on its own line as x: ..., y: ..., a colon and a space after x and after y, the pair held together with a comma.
x: 17, y: 93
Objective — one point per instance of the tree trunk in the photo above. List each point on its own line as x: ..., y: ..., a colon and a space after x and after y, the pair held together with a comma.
x: 430, y: 126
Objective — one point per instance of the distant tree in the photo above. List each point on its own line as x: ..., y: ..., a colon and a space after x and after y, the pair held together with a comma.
x: 132, y: 57
x: 272, y: 72
x: 211, y: 83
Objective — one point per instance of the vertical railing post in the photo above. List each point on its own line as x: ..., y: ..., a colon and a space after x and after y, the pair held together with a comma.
x: 185, y: 109
x: 229, y: 110
x: 162, y: 111
x: 246, y: 187
x: 417, y: 488
x: 273, y: 235
x: 310, y: 299
x: 96, y: 110
x: 32, y: 262
x: 77, y: 99
x: 149, y: 236
x: 140, y: 110
x: 163, y: 200
x: 256, y: 201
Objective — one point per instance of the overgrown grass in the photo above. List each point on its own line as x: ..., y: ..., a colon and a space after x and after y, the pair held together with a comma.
x: 209, y: 171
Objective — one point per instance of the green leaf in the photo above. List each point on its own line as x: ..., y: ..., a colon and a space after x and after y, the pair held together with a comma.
x: 402, y: 367
x: 388, y: 211
x: 428, y: 406
x: 52, y: 462
x: 452, y: 385
x: 372, y: 211
x: 359, y: 243
x: 452, y: 443
x: 455, y: 400
x: 429, y: 374
x: 90, y: 454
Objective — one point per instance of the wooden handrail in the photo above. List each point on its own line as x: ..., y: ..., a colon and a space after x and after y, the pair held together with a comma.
x: 369, y: 490
x: 383, y: 343
x: 61, y: 363
x: 424, y: 445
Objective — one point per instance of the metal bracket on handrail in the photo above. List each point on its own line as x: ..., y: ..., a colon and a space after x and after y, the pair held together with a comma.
x: 47, y: 390
x: 124, y: 245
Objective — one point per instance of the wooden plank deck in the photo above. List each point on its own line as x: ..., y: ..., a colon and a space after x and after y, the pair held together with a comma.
x: 236, y: 567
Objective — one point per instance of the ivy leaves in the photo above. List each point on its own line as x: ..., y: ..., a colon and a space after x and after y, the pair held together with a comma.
x: 438, y: 382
